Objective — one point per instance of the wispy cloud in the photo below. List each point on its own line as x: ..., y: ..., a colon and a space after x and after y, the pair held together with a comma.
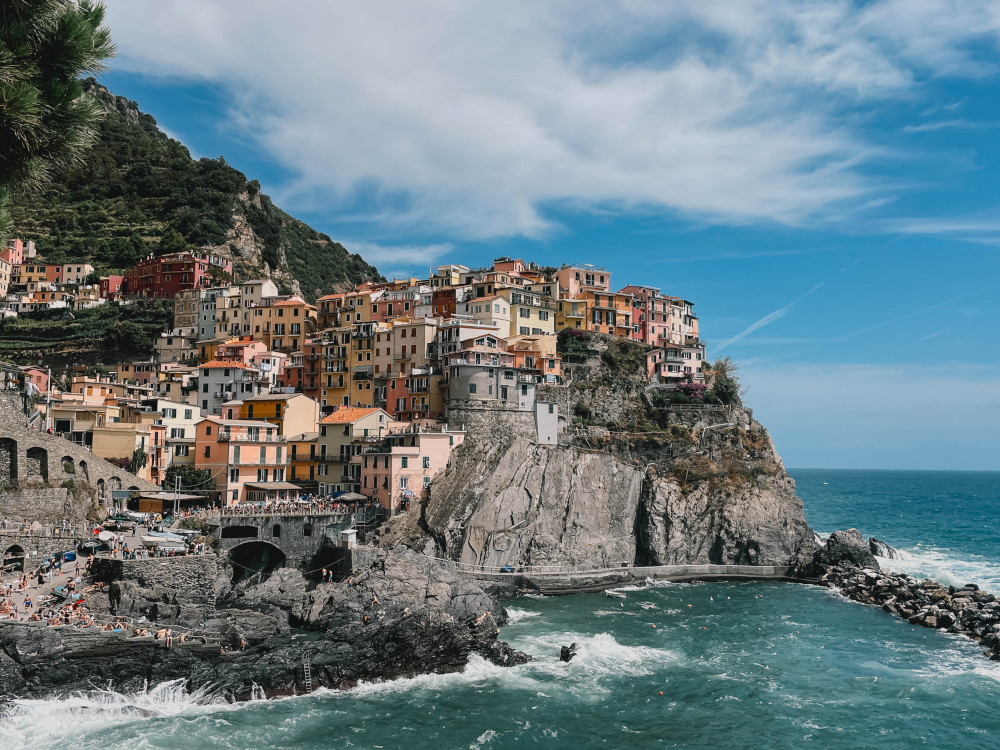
x: 471, y: 118
x: 935, y: 335
x: 766, y: 320
x: 928, y: 127
x: 408, y: 255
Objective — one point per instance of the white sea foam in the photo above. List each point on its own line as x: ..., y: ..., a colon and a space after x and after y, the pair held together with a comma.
x: 597, y: 655
x: 41, y: 723
x: 946, y: 567
x: 515, y: 615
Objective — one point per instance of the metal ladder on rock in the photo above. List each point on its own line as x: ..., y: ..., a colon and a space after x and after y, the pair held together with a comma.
x: 307, y: 674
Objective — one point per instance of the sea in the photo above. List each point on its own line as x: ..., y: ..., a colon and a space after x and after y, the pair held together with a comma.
x: 700, y: 665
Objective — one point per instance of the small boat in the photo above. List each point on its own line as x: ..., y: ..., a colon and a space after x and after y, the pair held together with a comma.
x: 107, y: 536
x: 614, y: 594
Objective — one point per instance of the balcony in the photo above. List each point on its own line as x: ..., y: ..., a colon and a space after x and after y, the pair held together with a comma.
x: 227, y: 395
x: 239, y: 437
x: 364, y: 372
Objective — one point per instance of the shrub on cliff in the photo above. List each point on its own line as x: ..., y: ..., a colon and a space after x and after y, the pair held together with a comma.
x: 725, y: 383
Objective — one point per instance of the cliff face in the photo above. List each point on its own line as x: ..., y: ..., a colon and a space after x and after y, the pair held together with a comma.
x: 512, y: 501
x: 630, y: 481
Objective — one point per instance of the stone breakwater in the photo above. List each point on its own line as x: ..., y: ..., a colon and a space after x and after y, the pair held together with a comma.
x: 965, y: 610
x: 846, y: 563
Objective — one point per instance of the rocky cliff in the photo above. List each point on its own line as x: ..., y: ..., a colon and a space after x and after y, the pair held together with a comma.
x: 633, y: 479
x: 402, y: 614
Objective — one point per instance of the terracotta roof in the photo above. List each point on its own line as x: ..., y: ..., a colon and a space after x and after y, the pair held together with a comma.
x: 348, y: 414
x: 217, y: 364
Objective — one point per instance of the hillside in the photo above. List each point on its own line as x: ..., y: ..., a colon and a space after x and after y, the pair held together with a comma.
x: 140, y: 191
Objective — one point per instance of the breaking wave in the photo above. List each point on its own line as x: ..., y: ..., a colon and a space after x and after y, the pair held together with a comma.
x: 946, y: 567
x: 41, y: 723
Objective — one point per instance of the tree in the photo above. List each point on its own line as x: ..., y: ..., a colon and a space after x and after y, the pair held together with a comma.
x: 725, y: 383
x: 127, y: 336
x: 45, y: 122
x: 193, y: 481
x: 172, y: 241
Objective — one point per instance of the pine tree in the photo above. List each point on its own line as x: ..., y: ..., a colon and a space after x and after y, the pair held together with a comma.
x: 45, y: 122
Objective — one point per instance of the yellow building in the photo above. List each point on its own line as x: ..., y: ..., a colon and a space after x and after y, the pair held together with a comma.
x: 572, y: 313
x: 303, y: 464
x: 530, y: 314
x: 292, y: 413
x: 283, y: 323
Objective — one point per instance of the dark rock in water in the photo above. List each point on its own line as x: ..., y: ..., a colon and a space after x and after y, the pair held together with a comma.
x: 847, y: 548
x: 567, y: 652
x: 881, y: 549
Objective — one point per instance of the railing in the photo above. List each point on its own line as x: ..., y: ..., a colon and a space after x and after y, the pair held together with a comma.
x: 228, y: 437
x: 362, y: 513
x: 49, y: 531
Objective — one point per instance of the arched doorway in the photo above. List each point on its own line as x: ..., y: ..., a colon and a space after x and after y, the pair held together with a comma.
x: 38, y: 463
x: 68, y: 465
x: 100, y: 490
x: 13, y: 558
x: 85, y: 470
x: 255, y: 559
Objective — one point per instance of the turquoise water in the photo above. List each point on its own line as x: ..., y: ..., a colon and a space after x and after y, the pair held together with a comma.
x: 739, y: 664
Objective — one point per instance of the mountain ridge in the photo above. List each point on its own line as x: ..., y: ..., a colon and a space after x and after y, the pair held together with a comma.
x: 139, y: 191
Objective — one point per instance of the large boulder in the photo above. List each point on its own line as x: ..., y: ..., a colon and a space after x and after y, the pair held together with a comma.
x: 844, y: 549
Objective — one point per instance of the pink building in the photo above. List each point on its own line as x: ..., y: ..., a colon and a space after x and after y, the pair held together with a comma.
x: 111, y: 286
x: 402, y: 466
x: 574, y: 280
x: 240, y: 350
x: 246, y: 458
x: 37, y: 376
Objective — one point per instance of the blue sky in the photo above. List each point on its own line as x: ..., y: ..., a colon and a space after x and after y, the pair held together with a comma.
x: 819, y: 178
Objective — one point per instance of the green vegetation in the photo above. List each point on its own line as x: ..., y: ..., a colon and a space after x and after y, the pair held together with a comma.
x: 121, y: 329
x: 574, y: 346
x: 725, y: 382
x: 624, y: 358
x: 140, y: 192
x: 45, y: 124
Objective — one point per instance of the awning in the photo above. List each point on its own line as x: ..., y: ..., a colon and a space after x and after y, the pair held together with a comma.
x: 349, y: 496
x: 272, y: 486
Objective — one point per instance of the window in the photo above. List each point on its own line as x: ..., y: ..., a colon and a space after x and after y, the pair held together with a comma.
x: 261, y: 475
x: 472, y: 388
x: 176, y: 432
x: 427, y: 462
x: 234, y: 475
x: 276, y: 531
x: 404, y: 462
x: 403, y: 482
x: 208, y: 451
x: 427, y: 482
x: 187, y: 414
x: 552, y: 408
x: 524, y: 312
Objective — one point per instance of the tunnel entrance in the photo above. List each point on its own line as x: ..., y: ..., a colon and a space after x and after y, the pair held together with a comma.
x: 255, y: 559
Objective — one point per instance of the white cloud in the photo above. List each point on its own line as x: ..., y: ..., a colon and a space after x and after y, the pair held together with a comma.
x: 473, y: 117
x: 914, y: 416
x: 403, y: 261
